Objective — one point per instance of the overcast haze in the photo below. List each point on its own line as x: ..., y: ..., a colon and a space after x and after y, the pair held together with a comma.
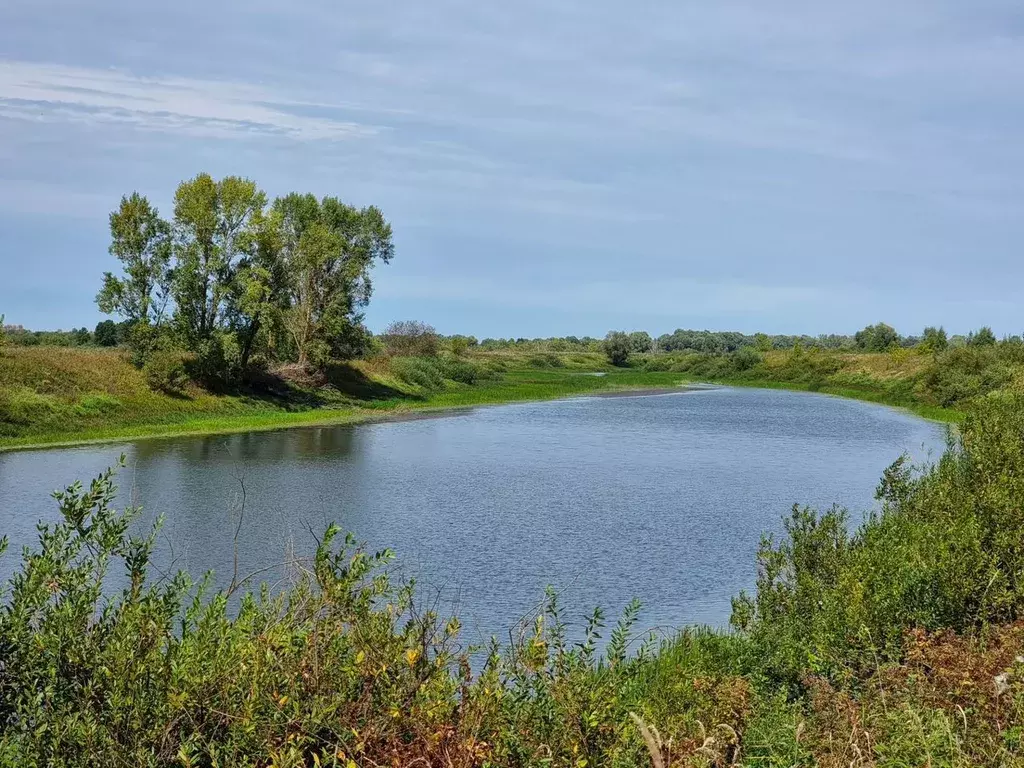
x: 549, y: 168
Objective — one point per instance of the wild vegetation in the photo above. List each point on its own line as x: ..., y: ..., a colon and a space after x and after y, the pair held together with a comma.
x: 232, y: 284
x: 68, y: 392
x: 896, y: 643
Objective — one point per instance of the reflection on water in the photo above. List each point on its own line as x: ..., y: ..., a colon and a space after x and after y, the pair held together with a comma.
x: 661, y: 497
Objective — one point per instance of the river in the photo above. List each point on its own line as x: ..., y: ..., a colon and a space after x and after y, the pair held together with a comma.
x: 661, y: 497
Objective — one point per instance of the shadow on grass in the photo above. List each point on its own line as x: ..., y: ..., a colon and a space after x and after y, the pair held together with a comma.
x: 341, y: 384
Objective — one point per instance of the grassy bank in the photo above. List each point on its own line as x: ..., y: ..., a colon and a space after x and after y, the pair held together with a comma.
x: 52, y: 396
x: 935, y: 386
x: 868, y: 394
x: 69, y: 395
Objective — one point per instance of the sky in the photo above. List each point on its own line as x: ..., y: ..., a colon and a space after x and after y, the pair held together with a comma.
x: 548, y: 168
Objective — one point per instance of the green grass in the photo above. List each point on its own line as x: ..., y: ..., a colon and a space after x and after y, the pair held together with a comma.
x: 75, y: 396
x: 879, y: 396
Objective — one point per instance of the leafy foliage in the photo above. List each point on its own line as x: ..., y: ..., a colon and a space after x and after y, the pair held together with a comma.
x: 934, y: 340
x: 617, y: 346
x: 408, y: 338
x: 244, y: 281
x: 983, y: 337
x: 107, y: 333
x: 165, y: 371
x: 141, y: 241
x: 876, y: 338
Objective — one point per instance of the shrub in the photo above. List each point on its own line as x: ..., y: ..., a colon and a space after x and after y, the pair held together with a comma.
x: 641, y: 341
x: 967, y: 372
x: 983, y: 337
x: 419, y: 371
x: 655, y: 363
x: 411, y: 338
x: 746, y: 358
x: 459, y: 345
x: 106, y: 333
x: 946, y: 551
x: 876, y: 338
x: 165, y: 371
x: 156, y: 674
x: 458, y: 370
x: 934, y: 340
x: 617, y: 347
x: 217, y: 363
x: 548, y: 360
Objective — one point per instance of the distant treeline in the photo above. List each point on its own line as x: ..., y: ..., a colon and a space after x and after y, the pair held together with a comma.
x: 874, y: 338
x: 106, y: 334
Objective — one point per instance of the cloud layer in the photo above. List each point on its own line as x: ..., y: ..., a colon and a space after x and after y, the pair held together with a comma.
x: 759, y: 159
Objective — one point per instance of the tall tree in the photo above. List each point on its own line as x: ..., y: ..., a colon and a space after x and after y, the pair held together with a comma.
x: 141, y: 241
x: 617, y: 347
x: 877, y: 338
x: 934, y: 339
x: 328, y: 249
x: 259, y: 296
x: 214, y: 227
x: 983, y: 337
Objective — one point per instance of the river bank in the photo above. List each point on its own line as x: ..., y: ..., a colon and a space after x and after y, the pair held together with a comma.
x: 63, y: 397
x: 375, y: 397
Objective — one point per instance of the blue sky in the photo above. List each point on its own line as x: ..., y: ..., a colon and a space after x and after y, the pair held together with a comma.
x: 549, y: 168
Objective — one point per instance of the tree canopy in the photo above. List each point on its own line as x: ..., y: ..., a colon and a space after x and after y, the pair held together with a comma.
x: 240, y: 278
x: 617, y: 347
x: 877, y: 338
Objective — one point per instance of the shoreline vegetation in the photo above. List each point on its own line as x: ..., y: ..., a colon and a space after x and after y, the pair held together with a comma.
x: 96, y: 396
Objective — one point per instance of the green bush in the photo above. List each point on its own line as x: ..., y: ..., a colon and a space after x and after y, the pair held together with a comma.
x: 411, y: 338
x: 163, y: 674
x: 946, y: 551
x: 217, y: 363
x: 963, y: 373
x: 421, y: 372
x: 166, y: 371
x: 617, y: 347
x: 656, y: 363
x: 547, y: 360
x: 458, y: 370
x: 746, y: 358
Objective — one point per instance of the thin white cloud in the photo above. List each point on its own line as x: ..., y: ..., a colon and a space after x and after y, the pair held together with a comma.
x: 211, y: 108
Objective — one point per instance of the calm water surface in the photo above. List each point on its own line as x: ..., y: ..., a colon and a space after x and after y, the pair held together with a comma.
x: 660, y: 497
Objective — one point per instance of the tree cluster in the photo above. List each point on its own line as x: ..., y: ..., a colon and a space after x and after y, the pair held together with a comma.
x: 236, y: 281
